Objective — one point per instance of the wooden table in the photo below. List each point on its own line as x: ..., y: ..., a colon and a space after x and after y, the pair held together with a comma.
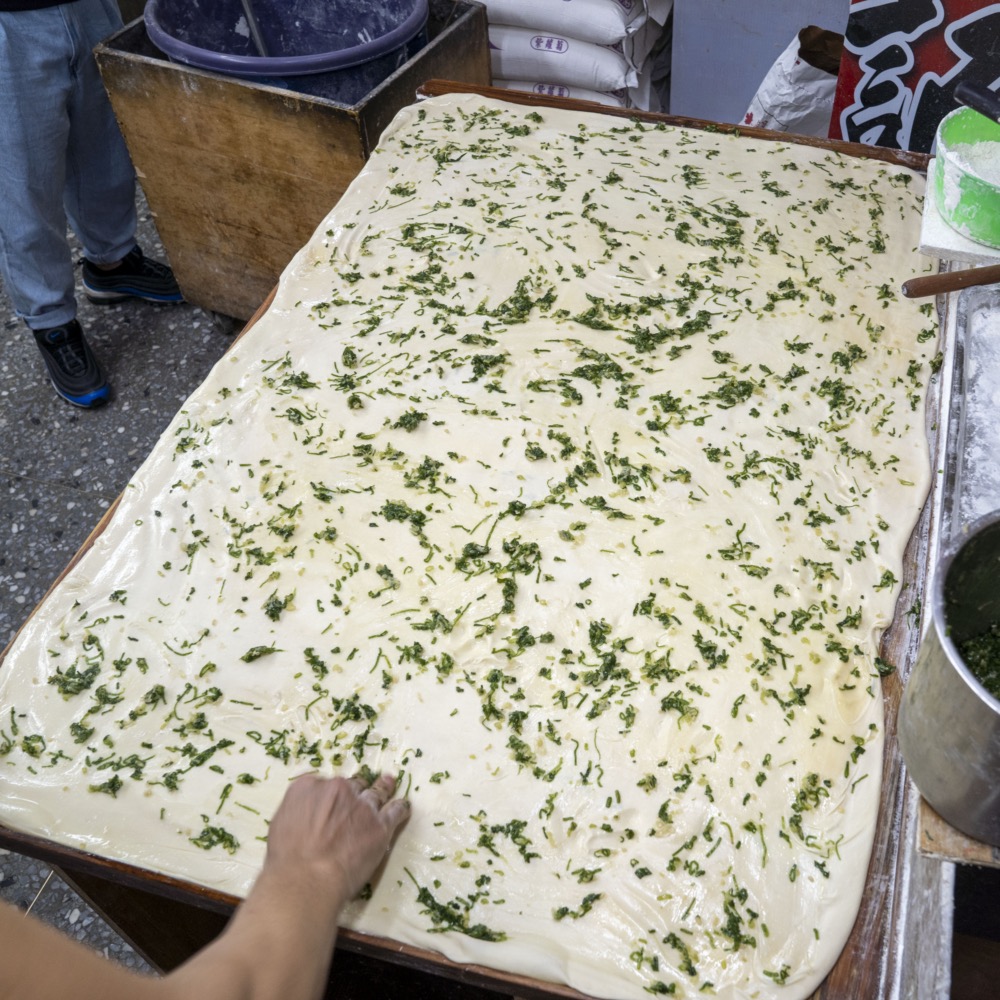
x: 901, y: 943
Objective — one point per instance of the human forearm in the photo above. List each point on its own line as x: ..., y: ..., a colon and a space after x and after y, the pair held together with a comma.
x: 324, y: 843
x: 50, y: 965
x: 325, y: 840
x: 278, y: 946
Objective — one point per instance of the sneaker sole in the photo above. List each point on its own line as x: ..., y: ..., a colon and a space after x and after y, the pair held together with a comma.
x: 99, y: 298
x: 89, y: 401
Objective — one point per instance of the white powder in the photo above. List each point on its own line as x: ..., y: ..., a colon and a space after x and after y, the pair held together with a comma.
x: 979, y: 479
x: 981, y: 159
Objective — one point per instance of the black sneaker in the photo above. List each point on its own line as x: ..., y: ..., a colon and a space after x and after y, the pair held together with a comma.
x: 73, y: 369
x: 135, y: 277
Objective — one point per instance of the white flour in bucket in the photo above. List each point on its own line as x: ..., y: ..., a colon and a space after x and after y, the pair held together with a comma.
x: 981, y: 159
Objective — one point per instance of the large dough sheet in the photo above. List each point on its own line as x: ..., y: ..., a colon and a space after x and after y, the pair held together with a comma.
x: 568, y: 476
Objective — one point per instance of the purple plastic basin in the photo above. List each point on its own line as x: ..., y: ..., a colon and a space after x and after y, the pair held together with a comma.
x: 303, y: 37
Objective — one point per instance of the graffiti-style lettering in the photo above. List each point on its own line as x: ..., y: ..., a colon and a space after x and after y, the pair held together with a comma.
x: 910, y: 55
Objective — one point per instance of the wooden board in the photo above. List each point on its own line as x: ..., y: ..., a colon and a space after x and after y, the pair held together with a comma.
x: 939, y: 839
x: 886, y: 954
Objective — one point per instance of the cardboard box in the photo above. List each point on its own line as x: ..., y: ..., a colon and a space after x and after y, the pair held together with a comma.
x: 238, y: 174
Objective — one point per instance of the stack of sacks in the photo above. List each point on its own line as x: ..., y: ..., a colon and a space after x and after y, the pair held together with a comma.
x: 592, y: 50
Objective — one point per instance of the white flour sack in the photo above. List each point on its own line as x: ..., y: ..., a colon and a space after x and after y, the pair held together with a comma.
x: 603, y: 22
x: 524, y: 54
x: 561, y: 90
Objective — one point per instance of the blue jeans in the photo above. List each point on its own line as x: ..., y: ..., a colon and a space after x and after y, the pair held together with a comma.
x: 62, y: 157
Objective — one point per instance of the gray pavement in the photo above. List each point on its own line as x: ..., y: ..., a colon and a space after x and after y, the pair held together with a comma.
x: 60, y: 466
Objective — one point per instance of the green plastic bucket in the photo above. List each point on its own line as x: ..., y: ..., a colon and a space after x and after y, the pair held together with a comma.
x: 968, y: 196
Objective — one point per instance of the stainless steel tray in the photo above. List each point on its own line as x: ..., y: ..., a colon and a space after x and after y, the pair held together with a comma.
x: 970, y: 471
x: 972, y: 475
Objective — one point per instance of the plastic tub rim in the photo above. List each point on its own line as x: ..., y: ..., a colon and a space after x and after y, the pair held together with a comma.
x: 270, y: 66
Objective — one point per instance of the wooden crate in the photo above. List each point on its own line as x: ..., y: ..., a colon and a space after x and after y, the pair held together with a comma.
x: 238, y: 174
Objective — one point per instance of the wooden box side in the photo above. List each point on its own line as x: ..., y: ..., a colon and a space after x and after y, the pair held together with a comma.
x: 237, y: 175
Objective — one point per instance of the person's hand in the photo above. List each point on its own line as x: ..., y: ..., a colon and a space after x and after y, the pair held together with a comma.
x: 331, y: 834
x: 325, y: 840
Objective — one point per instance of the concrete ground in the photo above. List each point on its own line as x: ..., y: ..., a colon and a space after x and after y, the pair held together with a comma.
x: 60, y: 466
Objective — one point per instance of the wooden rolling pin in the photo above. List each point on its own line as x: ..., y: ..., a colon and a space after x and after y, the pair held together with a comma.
x: 950, y: 281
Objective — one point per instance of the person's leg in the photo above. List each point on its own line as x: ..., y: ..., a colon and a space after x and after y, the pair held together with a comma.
x: 36, y: 79
x: 35, y: 259
x: 100, y: 181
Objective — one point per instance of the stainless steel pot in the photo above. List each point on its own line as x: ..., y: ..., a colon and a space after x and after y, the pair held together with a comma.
x: 949, y: 726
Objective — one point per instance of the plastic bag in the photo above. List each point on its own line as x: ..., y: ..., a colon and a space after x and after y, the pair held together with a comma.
x: 798, y: 92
